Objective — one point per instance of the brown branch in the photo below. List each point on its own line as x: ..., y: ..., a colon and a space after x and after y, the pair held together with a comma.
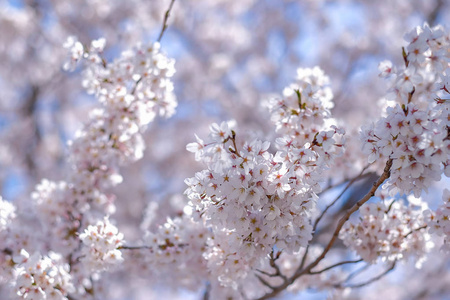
x: 339, y: 196
x: 305, y: 255
x: 166, y: 17
x: 370, y: 194
x: 264, y: 282
x: 274, y: 265
x: 267, y: 273
x: 300, y: 271
x: 353, y: 180
x: 233, y: 139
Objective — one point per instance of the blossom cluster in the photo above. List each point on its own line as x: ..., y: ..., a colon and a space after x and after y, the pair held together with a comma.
x: 439, y: 221
x: 180, y: 241
x: 310, y: 137
x: 388, y: 232
x: 414, y: 133
x: 253, y: 207
x: 253, y: 199
x: 132, y: 91
x: 76, y: 50
x: 41, y: 277
x: 50, y: 200
x: 7, y: 213
x: 304, y: 107
x: 101, y: 243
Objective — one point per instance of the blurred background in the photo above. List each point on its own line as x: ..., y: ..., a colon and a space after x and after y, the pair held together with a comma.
x: 230, y: 56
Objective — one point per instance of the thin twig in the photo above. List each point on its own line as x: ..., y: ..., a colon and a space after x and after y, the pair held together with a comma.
x: 338, y: 197
x: 264, y: 282
x: 267, y: 273
x: 305, y: 255
x: 274, y: 265
x: 162, y: 247
x: 166, y: 17
x: 417, y: 229
x: 135, y: 85
x: 134, y: 247
x: 390, y: 206
x: 332, y: 186
x: 354, y: 286
x: 233, y: 140
x: 356, y: 272
x: 336, y: 265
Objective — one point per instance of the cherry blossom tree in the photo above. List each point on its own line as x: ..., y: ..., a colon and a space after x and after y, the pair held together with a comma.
x: 218, y: 150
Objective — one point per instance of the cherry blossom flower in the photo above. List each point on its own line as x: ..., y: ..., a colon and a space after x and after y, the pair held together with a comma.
x: 101, y: 244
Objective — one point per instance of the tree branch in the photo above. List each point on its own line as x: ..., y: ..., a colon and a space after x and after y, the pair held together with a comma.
x: 431, y: 19
x: 274, y: 265
x: 134, y: 247
x: 339, y: 196
x: 207, y: 291
x: 267, y: 273
x: 353, y: 180
x: 356, y: 272
x: 417, y: 229
x: 354, y: 286
x: 336, y: 265
x: 166, y: 17
x: 265, y: 283
x: 276, y: 290
x: 386, y: 174
x: 332, y: 186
